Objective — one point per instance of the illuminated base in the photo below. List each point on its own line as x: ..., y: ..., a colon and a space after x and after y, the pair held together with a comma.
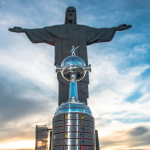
x: 73, y: 107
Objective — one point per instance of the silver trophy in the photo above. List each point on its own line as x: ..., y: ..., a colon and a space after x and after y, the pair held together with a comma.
x: 73, y: 123
x: 73, y: 69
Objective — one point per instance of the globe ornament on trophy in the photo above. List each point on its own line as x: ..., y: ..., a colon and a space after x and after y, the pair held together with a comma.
x: 73, y: 123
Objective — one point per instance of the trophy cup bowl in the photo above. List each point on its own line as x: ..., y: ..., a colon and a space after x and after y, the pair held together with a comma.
x: 73, y: 68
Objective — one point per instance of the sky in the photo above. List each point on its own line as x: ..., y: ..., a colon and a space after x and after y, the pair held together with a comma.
x: 119, y: 86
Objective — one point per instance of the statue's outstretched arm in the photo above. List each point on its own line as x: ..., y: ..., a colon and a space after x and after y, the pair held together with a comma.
x: 122, y: 27
x: 17, y: 29
x: 39, y: 35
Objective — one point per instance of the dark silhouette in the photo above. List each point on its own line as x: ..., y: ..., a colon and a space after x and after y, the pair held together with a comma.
x: 63, y: 37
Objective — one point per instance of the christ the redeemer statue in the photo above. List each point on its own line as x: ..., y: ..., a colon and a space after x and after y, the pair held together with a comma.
x: 63, y: 37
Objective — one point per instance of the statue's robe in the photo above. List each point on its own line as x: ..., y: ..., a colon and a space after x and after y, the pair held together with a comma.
x: 63, y: 37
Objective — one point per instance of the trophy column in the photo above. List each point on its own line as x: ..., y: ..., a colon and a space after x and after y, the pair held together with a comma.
x: 73, y: 92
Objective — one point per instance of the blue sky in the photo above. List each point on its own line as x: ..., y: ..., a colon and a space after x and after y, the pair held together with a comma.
x: 119, y: 83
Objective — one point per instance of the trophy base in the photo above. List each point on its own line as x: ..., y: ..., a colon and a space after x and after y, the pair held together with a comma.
x: 73, y: 131
x: 73, y: 107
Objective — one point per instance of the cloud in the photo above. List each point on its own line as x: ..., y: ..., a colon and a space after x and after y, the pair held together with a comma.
x: 140, y: 136
x: 111, y: 86
x: 122, y: 137
x: 23, y: 105
x: 139, y: 131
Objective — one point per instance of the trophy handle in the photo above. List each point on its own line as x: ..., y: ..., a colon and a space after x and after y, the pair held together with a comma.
x: 88, y: 68
x: 58, y: 68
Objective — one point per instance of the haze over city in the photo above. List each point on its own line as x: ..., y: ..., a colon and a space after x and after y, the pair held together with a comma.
x: 119, y: 89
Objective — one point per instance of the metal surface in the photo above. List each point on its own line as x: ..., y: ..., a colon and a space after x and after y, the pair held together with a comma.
x: 73, y: 94
x: 86, y: 117
x: 58, y: 130
x: 72, y: 135
x: 67, y: 148
x: 72, y: 116
x: 72, y: 128
x: 73, y: 107
x: 73, y: 131
x: 88, y: 148
x: 72, y: 122
x: 87, y: 123
x: 58, y: 69
x: 73, y: 73
x: 87, y: 136
x: 66, y: 135
x: 58, y: 124
x: 75, y: 148
x: 59, y: 117
x: 88, y: 68
x: 73, y: 68
x: 70, y: 142
x: 58, y: 142
x: 87, y: 129
x: 73, y: 60
x: 88, y: 142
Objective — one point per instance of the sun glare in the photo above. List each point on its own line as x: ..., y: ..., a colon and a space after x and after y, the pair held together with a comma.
x: 18, y: 144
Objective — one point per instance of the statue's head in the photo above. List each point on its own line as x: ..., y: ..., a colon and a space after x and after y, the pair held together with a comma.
x: 71, y: 17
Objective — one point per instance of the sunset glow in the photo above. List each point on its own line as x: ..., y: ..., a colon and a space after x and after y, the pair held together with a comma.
x: 18, y: 145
